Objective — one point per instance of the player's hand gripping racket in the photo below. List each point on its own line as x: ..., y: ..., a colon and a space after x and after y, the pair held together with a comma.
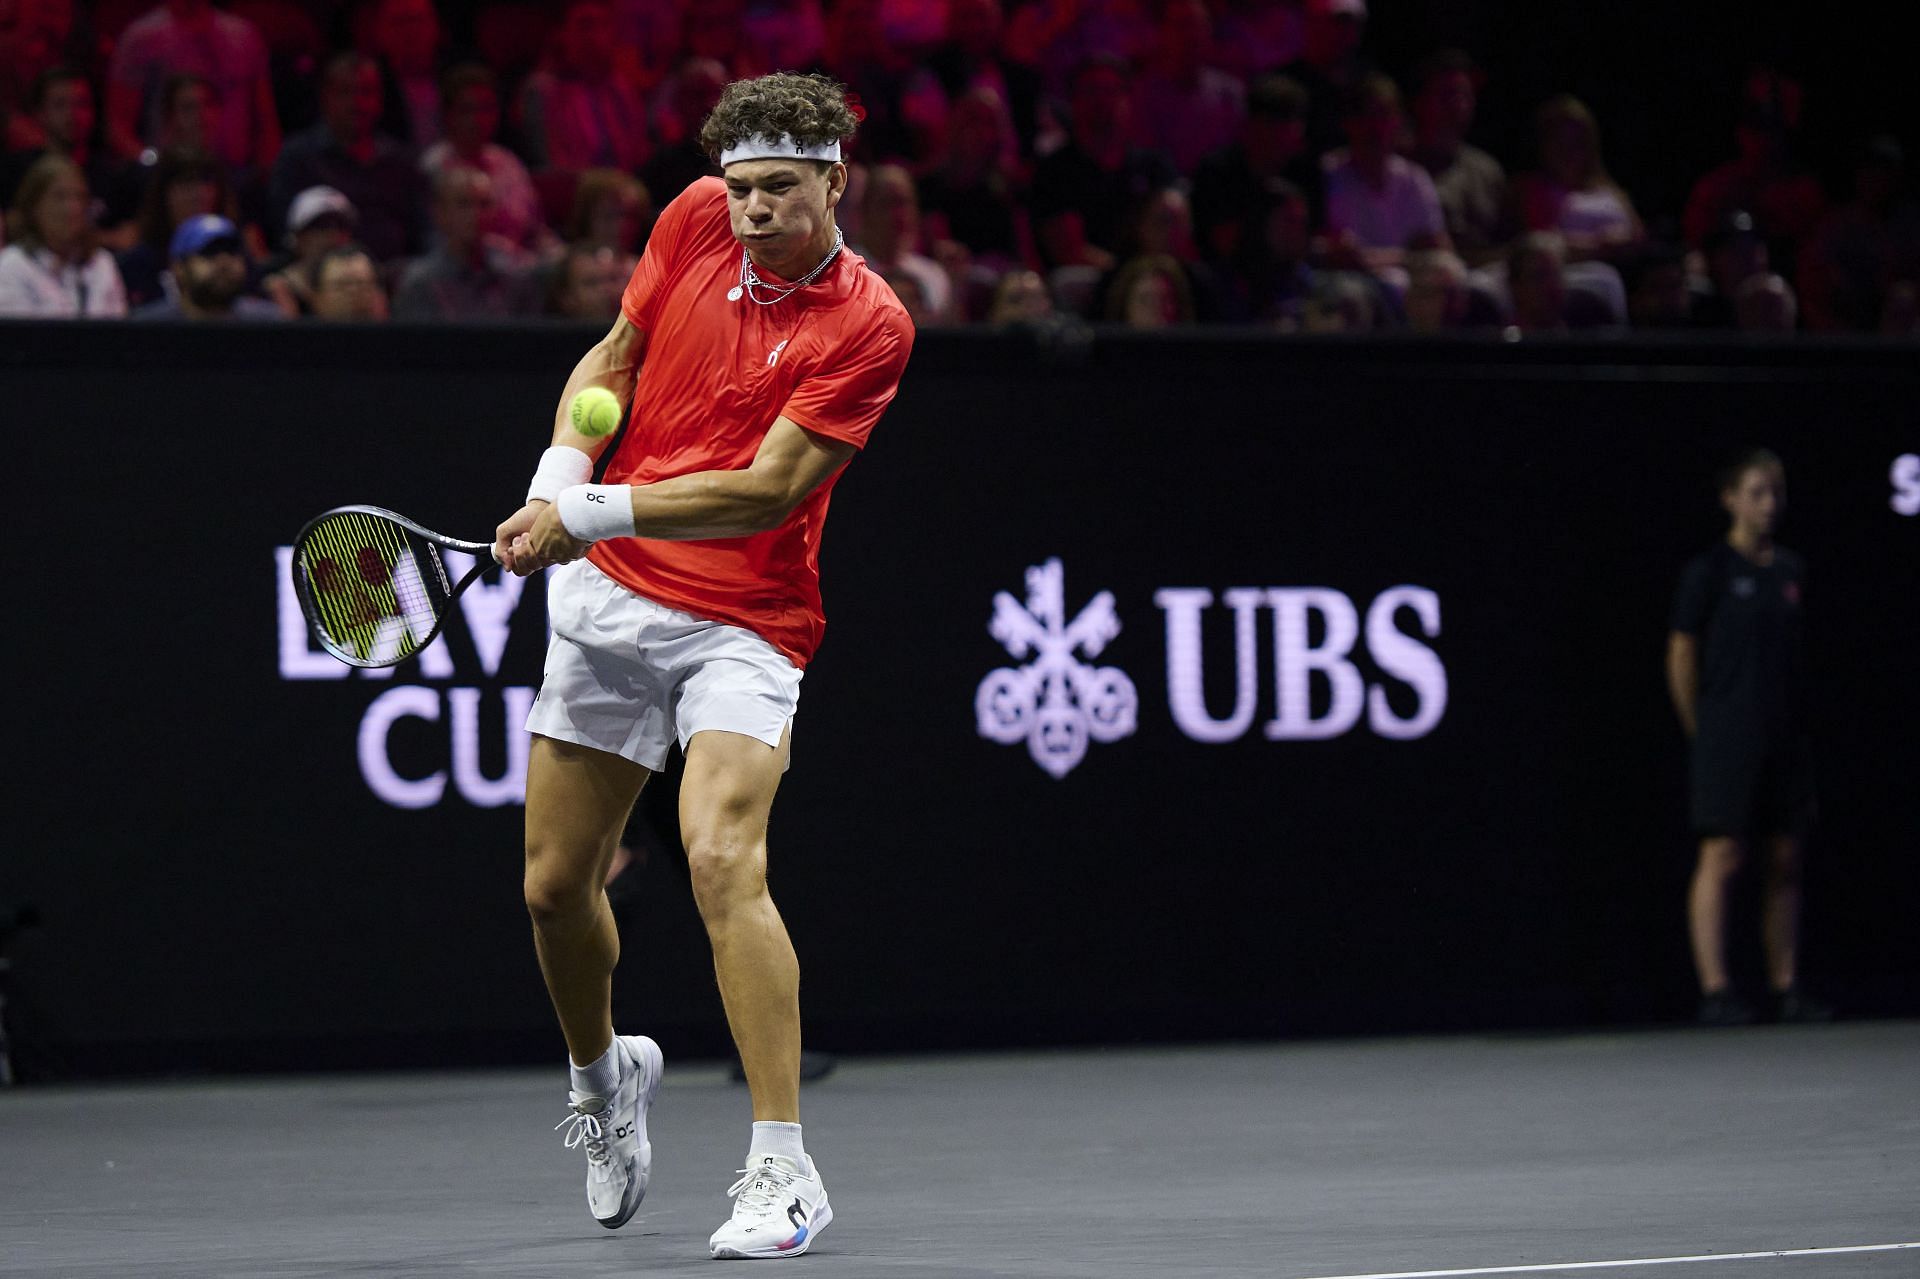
x: 374, y: 585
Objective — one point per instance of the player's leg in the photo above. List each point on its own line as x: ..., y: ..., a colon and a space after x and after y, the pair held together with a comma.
x: 577, y: 805
x: 578, y: 799
x: 1719, y: 863
x: 780, y: 1201
x: 724, y: 801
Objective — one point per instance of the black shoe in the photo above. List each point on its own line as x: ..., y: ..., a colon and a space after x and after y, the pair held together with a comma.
x: 1724, y: 1009
x: 1795, y: 1006
x: 813, y: 1066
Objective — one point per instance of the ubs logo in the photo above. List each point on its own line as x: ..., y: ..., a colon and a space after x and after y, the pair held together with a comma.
x: 1906, y: 484
x: 1056, y: 702
x: 1059, y: 703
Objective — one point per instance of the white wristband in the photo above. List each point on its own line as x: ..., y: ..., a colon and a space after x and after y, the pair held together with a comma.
x: 596, y: 512
x: 560, y: 467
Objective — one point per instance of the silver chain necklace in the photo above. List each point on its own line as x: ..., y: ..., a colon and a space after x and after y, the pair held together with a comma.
x: 750, y: 279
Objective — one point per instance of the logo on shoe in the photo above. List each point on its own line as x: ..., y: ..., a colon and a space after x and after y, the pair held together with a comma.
x: 623, y: 1131
x: 797, y: 1215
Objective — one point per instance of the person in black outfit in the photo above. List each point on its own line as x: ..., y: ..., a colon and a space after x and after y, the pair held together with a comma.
x: 1085, y: 193
x: 1238, y: 187
x: 345, y: 151
x: 1737, y: 673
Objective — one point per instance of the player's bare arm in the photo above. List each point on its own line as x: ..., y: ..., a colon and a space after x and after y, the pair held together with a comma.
x: 612, y: 363
x: 791, y: 462
x: 1683, y: 677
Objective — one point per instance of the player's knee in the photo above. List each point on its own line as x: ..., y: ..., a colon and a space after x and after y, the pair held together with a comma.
x: 556, y: 890
x: 727, y: 867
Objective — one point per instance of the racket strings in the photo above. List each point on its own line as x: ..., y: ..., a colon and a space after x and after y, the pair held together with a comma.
x: 377, y: 588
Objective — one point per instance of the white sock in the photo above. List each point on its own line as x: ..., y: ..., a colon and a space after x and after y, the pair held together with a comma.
x: 771, y: 1138
x: 601, y: 1077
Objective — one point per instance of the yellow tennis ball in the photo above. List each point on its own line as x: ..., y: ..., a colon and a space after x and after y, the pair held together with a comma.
x: 595, y: 412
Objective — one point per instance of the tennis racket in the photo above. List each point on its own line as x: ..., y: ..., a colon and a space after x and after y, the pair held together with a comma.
x: 374, y: 585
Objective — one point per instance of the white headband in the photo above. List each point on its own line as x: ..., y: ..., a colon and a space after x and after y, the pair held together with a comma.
x: 781, y: 148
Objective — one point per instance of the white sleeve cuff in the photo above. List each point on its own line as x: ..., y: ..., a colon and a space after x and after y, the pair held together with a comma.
x: 596, y: 512
x: 560, y: 467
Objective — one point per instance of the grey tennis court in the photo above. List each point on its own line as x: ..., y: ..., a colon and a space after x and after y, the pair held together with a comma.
x: 1689, y: 1152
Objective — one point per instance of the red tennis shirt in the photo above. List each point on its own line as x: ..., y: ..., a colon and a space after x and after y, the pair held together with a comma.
x: 716, y: 374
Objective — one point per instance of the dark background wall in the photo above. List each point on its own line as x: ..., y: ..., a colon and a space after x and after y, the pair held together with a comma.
x: 220, y: 887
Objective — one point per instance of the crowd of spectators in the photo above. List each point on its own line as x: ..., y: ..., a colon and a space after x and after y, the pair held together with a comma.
x: 1142, y: 162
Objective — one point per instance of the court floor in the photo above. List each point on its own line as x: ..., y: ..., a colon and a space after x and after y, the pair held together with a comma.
x: 1671, y: 1150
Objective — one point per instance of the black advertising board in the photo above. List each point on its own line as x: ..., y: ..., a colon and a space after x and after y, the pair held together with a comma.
x: 1186, y: 687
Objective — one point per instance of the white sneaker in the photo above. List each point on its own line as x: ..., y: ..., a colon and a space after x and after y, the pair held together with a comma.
x: 614, y: 1132
x: 779, y: 1207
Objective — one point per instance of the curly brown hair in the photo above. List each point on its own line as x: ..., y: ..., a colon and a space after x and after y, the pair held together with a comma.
x: 811, y: 109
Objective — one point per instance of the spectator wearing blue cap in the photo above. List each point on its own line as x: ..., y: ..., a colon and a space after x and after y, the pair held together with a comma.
x: 209, y: 276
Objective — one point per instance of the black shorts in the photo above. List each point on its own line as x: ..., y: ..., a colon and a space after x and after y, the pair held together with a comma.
x: 1746, y: 786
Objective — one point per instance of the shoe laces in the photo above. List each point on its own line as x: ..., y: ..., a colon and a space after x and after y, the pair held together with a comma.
x: 760, y: 1190
x: 585, y: 1128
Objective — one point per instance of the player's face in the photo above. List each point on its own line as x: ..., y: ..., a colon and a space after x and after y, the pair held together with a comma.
x: 782, y: 211
x: 1756, y: 499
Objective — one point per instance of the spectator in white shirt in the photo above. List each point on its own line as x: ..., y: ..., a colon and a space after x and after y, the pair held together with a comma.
x: 53, y: 266
x: 1572, y: 194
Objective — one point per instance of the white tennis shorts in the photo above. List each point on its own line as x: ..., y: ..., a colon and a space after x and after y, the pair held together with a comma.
x: 628, y: 676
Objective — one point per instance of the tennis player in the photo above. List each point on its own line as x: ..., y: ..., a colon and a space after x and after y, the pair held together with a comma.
x: 754, y: 355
